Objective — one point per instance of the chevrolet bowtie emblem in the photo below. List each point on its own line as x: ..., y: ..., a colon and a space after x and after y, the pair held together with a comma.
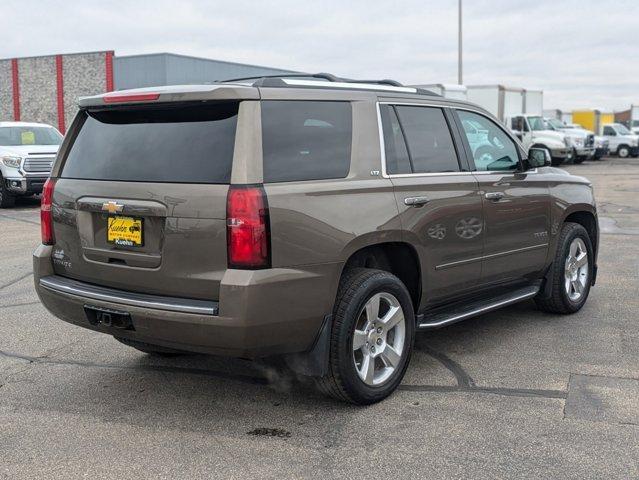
x: 112, y: 207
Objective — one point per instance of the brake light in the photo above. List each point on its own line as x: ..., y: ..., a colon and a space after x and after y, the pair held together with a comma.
x: 130, y: 97
x: 46, y: 220
x: 247, y: 228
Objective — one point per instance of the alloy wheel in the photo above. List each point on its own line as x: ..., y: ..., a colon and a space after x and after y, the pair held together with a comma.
x: 379, y: 339
x: 576, y: 270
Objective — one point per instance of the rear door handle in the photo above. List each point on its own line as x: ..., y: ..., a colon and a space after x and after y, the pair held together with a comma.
x: 494, y: 196
x: 416, y: 201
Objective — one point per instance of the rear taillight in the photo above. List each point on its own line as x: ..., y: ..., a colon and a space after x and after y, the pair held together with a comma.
x: 130, y: 97
x: 46, y: 220
x: 247, y: 228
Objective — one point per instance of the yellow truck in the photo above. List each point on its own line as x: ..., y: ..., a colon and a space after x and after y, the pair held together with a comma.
x: 592, y: 120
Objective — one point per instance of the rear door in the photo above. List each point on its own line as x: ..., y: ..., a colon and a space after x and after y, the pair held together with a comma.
x: 140, y: 198
x: 437, y: 198
x: 516, y: 203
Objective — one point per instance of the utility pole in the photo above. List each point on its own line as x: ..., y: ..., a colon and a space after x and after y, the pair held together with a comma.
x: 460, y: 78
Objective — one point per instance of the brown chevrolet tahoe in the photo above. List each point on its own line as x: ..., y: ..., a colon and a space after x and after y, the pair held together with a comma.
x: 314, y: 219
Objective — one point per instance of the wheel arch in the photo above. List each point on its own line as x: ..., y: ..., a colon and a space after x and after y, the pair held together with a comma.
x: 397, y: 257
x: 587, y: 218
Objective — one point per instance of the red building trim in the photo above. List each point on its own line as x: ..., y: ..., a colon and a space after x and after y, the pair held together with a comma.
x: 108, y: 60
x: 16, y: 89
x: 59, y: 76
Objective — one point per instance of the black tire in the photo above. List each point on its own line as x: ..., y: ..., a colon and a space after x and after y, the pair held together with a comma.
x: 6, y: 199
x: 579, y: 160
x: 554, y: 161
x: 623, y: 151
x: 149, y: 348
x: 559, y: 301
x: 342, y: 382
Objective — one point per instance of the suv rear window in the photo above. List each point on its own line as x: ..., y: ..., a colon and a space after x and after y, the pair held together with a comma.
x: 306, y: 140
x: 177, y: 144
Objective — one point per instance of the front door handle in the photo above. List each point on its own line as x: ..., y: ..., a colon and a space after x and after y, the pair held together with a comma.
x: 415, y: 201
x: 494, y: 196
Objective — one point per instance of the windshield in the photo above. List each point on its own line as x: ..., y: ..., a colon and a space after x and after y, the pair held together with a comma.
x: 556, y: 123
x: 536, y: 123
x: 622, y: 130
x: 18, y: 136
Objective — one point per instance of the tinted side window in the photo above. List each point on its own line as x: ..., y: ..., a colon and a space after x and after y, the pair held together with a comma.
x: 397, y: 160
x: 609, y: 131
x: 306, y: 140
x: 430, y: 145
x: 492, y: 149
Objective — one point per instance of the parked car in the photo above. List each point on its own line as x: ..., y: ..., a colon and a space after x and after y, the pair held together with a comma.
x: 622, y: 141
x: 581, y: 140
x: 324, y: 222
x: 27, y: 151
x: 534, y: 133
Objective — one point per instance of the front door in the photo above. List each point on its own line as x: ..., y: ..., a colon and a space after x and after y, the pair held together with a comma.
x: 438, y: 201
x: 516, y: 203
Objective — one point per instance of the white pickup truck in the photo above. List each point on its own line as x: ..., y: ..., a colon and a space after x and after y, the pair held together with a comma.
x: 581, y: 140
x: 533, y: 133
x: 27, y: 152
x: 622, y: 141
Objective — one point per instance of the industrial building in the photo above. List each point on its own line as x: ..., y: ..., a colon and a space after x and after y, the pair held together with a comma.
x: 45, y: 89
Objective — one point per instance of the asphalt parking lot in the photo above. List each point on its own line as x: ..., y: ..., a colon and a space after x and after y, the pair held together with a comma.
x: 511, y: 394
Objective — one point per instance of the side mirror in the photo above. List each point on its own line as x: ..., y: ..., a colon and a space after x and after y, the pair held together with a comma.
x: 539, y: 157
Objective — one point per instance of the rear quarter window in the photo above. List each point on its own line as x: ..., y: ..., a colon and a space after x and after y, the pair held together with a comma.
x: 306, y: 140
x: 170, y: 143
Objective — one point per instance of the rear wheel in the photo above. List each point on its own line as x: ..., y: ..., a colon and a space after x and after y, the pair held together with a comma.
x: 371, y: 339
x: 571, y: 271
x: 6, y: 199
x: 149, y: 348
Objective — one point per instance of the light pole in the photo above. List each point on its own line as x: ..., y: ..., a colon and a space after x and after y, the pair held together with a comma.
x: 459, y: 46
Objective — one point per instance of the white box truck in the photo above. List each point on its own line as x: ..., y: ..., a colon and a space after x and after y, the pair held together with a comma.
x: 447, y: 90
x: 521, y: 111
x: 534, y: 102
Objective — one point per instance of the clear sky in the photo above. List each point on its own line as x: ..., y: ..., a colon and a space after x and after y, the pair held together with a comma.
x: 581, y: 53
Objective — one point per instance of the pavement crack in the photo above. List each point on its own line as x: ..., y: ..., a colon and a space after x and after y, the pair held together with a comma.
x: 12, y: 282
x: 18, y: 219
x: 11, y: 305
x: 466, y: 383
x: 509, y: 392
x: 463, y: 378
x: 141, y: 368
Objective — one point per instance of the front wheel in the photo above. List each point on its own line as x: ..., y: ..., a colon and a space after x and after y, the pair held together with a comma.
x: 371, y: 339
x: 571, y: 271
x: 623, y: 151
x: 6, y: 199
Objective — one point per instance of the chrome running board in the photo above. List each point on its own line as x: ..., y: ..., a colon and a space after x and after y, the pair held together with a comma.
x: 459, y: 313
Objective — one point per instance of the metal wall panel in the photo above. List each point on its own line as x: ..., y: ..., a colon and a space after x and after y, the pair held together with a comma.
x: 170, y: 69
x: 139, y: 71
